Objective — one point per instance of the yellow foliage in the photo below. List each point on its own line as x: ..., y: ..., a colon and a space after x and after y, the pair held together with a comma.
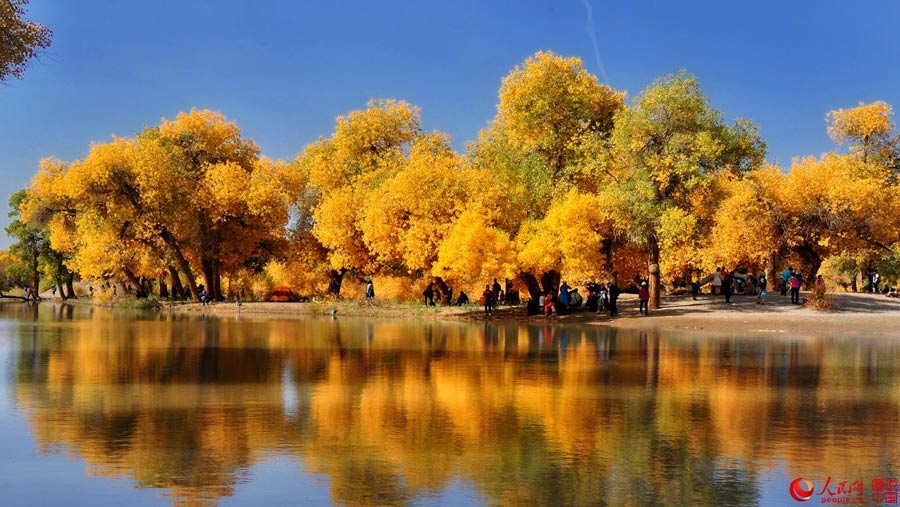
x: 364, y: 144
x: 568, y: 239
x: 222, y: 189
x: 474, y: 252
x: 207, y: 137
x: 677, y: 242
x: 862, y: 122
x: 869, y: 131
x: 407, y: 217
x: 335, y: 227
x: 297, y: 276
x: 547, y: 102
x: 745, y: 231
x: 566, y: 178
x: 390, y: 288
x: 828, y: 205
x: 366, y: 148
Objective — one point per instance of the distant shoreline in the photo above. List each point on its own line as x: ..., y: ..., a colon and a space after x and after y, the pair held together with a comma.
x: 859, y: 314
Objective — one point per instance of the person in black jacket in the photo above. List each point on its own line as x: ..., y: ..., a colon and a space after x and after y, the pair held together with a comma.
x: 613, y: 294
x: 728, y: 286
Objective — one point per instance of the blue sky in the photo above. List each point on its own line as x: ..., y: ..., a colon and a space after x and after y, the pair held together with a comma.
x: 283, y: 70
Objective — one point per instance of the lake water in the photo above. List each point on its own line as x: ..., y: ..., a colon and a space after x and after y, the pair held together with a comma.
x: 100, y: 408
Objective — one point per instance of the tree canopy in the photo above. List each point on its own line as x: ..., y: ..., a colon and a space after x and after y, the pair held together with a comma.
x: 20, y: 40
x: 567, y: 180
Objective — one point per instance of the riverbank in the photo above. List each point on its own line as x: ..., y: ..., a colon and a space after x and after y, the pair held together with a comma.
x: 857, y: 314
x: 868, y: 314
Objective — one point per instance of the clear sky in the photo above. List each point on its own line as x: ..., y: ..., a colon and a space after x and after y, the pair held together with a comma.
x: 283, y: 70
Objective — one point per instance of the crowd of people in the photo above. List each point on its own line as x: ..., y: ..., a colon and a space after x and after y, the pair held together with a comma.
x: 603, y: 297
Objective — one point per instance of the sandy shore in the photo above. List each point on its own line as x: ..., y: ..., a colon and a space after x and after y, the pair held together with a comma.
x: 857, y: 314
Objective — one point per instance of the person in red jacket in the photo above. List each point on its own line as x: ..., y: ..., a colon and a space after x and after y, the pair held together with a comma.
x: 487, y: 299
x: 644, y: 296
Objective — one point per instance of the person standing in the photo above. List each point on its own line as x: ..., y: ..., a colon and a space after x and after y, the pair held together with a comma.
x: 761, y: 289
x: 614, y: 292
x: 785, y: 280
x: 488, y: 297
x: 695, y: 283
x: 496, y: 289
x: 717, y: 281
x: 370, y: 290
x: 795, y: 288
x: 562, y: 307
x: 644, y: 297
x: 875, y: 280
x: 727, y: 285
x: 602, y: 298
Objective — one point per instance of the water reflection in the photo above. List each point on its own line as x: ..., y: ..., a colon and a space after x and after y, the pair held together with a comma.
x: 391, y: 412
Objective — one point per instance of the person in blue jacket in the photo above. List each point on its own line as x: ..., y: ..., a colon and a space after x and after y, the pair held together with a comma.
x: 784, y: 280
x: 562, y: 305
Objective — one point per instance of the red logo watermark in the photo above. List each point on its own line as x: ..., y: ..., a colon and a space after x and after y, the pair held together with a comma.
x: 884, y: 490
x: 801, y: 489
x: 844, y: 492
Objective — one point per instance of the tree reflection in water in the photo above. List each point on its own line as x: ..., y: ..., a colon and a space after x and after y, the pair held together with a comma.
x: 393, y: 411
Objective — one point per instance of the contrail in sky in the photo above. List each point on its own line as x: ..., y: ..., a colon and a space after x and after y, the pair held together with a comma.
x: 589, y: 28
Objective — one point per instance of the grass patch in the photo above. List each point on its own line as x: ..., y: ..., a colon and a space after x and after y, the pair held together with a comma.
x: 148, y: 303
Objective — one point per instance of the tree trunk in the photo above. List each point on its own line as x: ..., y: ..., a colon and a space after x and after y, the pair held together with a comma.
x: 135, y: 282
x: 531, y: 283
x: 211, y: 277
x: 653, y: 268
x: 163, y: 288
x: 335, y: 278
x: 70, y: 286
x: 37, y: 283
x: 864, y: 277
x: 59, y: 288
x: 512, y: 297
x: 210, y: 245
x: 550, y: 281
x: 771, y: 273
x: 444, y: 289
x: 177, y: 288
x: 606, y: 248
x: 208, y: 276
x: 217, y: 281
x: 811, y: 260
x: 183, y: 264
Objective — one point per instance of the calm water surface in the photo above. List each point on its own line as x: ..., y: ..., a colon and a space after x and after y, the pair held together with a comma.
x: 99, y: 408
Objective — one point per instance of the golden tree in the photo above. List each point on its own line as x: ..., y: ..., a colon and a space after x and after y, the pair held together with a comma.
x: 93, y: 212
x: 836, y: 205
x: 22, y: 39
x: 474, y: 250
x: 870, y: 134
x: 366, y: 148
x: 671, y: 147
x: 550, y: 135
x: 189, y: 195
